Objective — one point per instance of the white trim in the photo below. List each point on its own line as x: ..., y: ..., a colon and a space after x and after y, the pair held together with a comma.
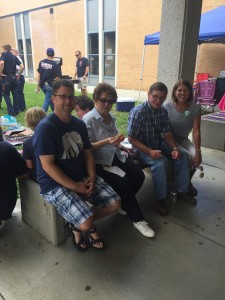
x: 85, y: 29
x: 32, y: 48
x: 24, y: 45
x: 116, y: 41
x: 100, y: 39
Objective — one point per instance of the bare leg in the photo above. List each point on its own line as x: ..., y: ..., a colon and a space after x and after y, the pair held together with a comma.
x: 103, y: 212
x: 89, y: 227
x: 84, y: 92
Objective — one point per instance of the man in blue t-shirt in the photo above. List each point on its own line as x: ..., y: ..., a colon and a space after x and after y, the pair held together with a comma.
x: 48, y: 71
x: 81, y: 72
x: 66, y: 169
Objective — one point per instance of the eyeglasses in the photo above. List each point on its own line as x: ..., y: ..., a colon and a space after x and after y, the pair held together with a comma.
x: 156, y: 97
x: 64, y: 97
x: 77, y: 55
x: 109, y: 101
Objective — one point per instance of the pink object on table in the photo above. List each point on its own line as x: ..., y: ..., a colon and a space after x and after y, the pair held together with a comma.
x: 221, y: 104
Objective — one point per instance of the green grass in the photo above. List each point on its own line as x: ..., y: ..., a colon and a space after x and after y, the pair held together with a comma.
x: 33, y: 99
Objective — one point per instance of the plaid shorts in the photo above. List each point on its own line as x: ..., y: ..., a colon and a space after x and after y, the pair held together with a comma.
x: 73, y: 206
x: 83, y: 83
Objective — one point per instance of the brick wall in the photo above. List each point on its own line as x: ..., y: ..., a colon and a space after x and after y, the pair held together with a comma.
x: 7, y: 35
x: 64, y: 31
x: 136, y: 20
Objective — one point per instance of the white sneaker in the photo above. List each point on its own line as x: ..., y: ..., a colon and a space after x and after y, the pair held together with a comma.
x: 144, y: 228
x: 121, y: 212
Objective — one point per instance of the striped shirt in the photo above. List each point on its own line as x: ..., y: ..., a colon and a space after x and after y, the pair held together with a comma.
x: 148, y: 125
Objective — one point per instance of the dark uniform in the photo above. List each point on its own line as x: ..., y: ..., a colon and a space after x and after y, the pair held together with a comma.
x: 12, y: 165
x: 9, y: 82
x: 0, y: 93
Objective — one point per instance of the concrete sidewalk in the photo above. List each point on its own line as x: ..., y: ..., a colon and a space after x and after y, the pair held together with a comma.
x: 185, y: 261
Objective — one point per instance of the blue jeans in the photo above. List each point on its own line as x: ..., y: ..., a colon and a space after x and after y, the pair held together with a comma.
x: 13, y: 88
x: 47, y: 90
x: 21, y: 99
x: 159, y: 171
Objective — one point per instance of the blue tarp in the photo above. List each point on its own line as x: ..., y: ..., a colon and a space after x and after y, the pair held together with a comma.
x: 212, y: 28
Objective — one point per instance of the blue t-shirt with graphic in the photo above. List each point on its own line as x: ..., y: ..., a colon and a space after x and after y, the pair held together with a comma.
x: 48, y: 70
x: 81, y: 65
x: 66, y: 141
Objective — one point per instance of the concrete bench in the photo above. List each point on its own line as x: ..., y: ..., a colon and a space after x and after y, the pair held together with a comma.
x: 213, y: 131
x: 43, y: 216
x: 39, y: 214
x: 146, y: 192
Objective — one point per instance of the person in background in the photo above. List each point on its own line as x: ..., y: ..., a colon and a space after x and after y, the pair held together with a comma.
x: 66, y: 170
x: 12, y: 165
x: 83, y: 104
x: 117, y: 169
x: 20, y: 83
x: 1, y: 134
x: 184, y: 117
x: 81, y: 72
x: 8, y: 63
x: 0, y: 93
x: 48, y: 71
x: 32, y: 117
x: 150, y: 134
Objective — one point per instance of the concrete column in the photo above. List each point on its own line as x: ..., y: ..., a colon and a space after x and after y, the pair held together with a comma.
x: 178, y: 40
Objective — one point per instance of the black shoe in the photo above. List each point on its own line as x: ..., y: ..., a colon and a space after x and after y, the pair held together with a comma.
x: 82, y: 244
x: 192, y: 190
x: 187, y: 198
x: 161, y: 208
x: 95, y: 243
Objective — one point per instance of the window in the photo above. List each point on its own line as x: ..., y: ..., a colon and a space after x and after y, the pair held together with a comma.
x: 109, y: 54
x: 93, y: 41
x: 24, y: 44
x: 101, y: 40
x: 94, y: 54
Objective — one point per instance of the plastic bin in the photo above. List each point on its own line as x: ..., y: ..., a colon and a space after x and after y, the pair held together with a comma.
x: 125, y: 104
x: 202, y: 76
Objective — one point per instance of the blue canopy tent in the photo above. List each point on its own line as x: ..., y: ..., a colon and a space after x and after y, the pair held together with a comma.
x: 212, y: 30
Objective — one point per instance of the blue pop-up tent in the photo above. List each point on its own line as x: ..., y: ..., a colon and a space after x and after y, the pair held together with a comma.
x: 212, y: 30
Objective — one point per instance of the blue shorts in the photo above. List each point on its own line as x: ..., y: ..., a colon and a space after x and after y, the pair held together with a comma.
x: 73, y: 206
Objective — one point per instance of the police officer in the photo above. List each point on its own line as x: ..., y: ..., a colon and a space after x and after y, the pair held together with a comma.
x: 20, y: 83
x: 8, y: 63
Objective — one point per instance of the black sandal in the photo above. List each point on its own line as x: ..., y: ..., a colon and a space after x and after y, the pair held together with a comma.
x: 93, y: 241
x: 70, y: 228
